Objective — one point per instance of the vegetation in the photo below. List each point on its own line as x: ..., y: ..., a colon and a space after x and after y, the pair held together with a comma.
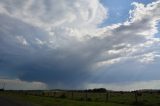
x: 85, y: 98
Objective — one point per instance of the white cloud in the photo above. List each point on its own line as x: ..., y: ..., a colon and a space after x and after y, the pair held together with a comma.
x: 40, y: 42
x: 74, y: 18
x: 146, y: 15
x: 16, y: 84
x: 22, y: 40
x: 147, y: 58
x: 66, y: 21
x: 134, y: 37
x: 127, y: 86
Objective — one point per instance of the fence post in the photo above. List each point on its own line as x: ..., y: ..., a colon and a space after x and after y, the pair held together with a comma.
x: 72, y: 95
x: 107, y: 96
x: 54, y: 94
x: 136, y: 97
x: 86, y: 96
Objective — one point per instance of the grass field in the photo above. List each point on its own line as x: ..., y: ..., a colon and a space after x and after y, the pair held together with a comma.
x: 78, y: 99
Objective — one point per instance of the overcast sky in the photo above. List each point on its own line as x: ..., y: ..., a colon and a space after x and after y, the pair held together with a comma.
x: 79, y: 44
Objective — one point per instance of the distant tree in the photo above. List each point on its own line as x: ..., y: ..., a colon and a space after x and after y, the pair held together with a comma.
x: 99, y: 90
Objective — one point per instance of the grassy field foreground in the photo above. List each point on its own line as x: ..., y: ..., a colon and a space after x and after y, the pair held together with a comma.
x: 116, y: 100
x: 48, y: 101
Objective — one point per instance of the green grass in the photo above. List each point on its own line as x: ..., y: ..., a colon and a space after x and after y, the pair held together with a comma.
x: 49, y: 101
x: 115, y: 99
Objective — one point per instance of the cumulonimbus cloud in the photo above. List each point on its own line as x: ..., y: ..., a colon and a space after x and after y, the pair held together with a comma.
x: 60, y: 42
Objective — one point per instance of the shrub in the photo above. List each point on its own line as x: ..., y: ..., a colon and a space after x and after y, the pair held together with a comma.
x: 62, y: 95
x: 89, y: 99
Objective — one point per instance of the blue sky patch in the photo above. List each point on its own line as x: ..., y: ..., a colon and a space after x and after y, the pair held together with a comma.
x: 118, y: 10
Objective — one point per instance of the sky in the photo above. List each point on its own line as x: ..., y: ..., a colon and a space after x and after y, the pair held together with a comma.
x: 80, y: 44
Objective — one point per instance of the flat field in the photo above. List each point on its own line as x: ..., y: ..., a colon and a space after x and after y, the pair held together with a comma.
x: 81, y: 99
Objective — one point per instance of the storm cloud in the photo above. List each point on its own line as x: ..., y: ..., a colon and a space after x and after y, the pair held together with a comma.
x: 61, y: 43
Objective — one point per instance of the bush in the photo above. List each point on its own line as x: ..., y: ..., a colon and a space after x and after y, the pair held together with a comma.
x: 81, y: 99
x: 62, y: 95
x: 89, y: 99
x: 96, y: 99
